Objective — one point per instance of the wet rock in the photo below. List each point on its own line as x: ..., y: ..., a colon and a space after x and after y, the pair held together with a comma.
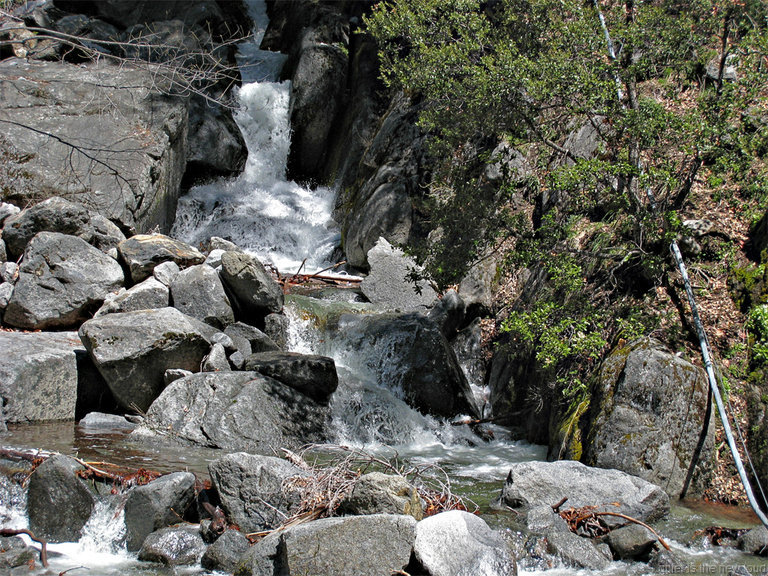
x: 377, y: 493
x: 132, y: 350
x: 141, y: 253
x: 146, y: 295
x: 457, y: 542
x: 216, y: 360
x: 225, y: 553
x: 251, y: 488
x: 642, y: 392
x: 408, y: 352
x: 59, y: 215
x: 755, y: 541
x: 249, y: 339
x: 62, y: 281
x: 531, y: 484
x: 632, y: 542
x: 254, y: 293
x: 177, y: 546
x: 238, y: 411
x: 58, y: 502
x: 668, y: 562
x: 362, y: 545
x: 216, y: 145
x: 47, y: 359
x: 313, y: 376
x: 156, y: 505
x: 118, y: 146
x: 576, y: 551
x: 544, y: 520
x: 394, y: 280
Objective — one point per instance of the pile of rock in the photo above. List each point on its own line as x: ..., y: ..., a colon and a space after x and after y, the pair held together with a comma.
x: 149, y: 312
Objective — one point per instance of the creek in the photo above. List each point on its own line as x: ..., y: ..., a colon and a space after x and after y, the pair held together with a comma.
x: 290, y: 226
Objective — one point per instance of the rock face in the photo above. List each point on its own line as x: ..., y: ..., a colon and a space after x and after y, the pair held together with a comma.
x: 47, y: 359
x: 55, y: 492
x: 652, y: 418
x: 141, y: 253
x: 132, y: 350
x: 74, y: 132
x: 373, y: 545
x: 312, y: 375
x: 409, y: 352
x: 238, y: 411
x: 251, y: 489
x: 531, y: 484
x: 59, y: 215
x: 457, y: 542
x: 62, y: 281
x: 156, y: 505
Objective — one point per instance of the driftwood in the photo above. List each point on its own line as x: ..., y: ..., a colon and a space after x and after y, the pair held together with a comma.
x: 43, y: 543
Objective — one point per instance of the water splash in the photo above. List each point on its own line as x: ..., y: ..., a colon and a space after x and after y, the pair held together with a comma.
x: 105, y: 531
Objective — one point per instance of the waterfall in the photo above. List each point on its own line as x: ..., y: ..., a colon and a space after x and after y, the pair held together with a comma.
x: 281, y: 222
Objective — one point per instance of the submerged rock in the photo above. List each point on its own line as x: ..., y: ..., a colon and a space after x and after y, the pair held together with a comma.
x: 225, y: 553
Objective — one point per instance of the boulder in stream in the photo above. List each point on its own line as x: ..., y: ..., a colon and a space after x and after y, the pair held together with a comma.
x: 238, y: 411
x: 378, y: 493
x: 254, y: 293
x: 224, y: 554
x: 58, y: 502
x: 252, y: 489
x: 198, y: 292
x: 156, y: 505
x: 176, y: 546
x: 531, y: 484
x: 141, y: 253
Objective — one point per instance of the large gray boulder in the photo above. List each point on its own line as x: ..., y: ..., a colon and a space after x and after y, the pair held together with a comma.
x: 312, y: 375
x: 198, y: 292
x: 375, y: 545
x: 47, y: 359
x: 59, y: 215
x: 141, y: 253
x: 95, y: 133
x: 156, y: 505
x: 533, y: 484
x: 408, y: 352
x: 254, y: 293
x: 62, y: 281
x: 132, y: 350
x: 652, y: 420
x: 238, y: 411
x: 253, y: 489
x: 58, y: 502
x: 458, y: 543
x: 394, y: 281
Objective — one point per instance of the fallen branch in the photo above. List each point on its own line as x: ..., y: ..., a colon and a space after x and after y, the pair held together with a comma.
x: 43, y: 543
x: 636, y: 521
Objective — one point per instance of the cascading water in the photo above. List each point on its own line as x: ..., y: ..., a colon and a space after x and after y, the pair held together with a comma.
x: 280, y: 221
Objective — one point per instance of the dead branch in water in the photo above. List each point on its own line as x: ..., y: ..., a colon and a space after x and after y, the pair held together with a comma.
x: 587, y: 518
